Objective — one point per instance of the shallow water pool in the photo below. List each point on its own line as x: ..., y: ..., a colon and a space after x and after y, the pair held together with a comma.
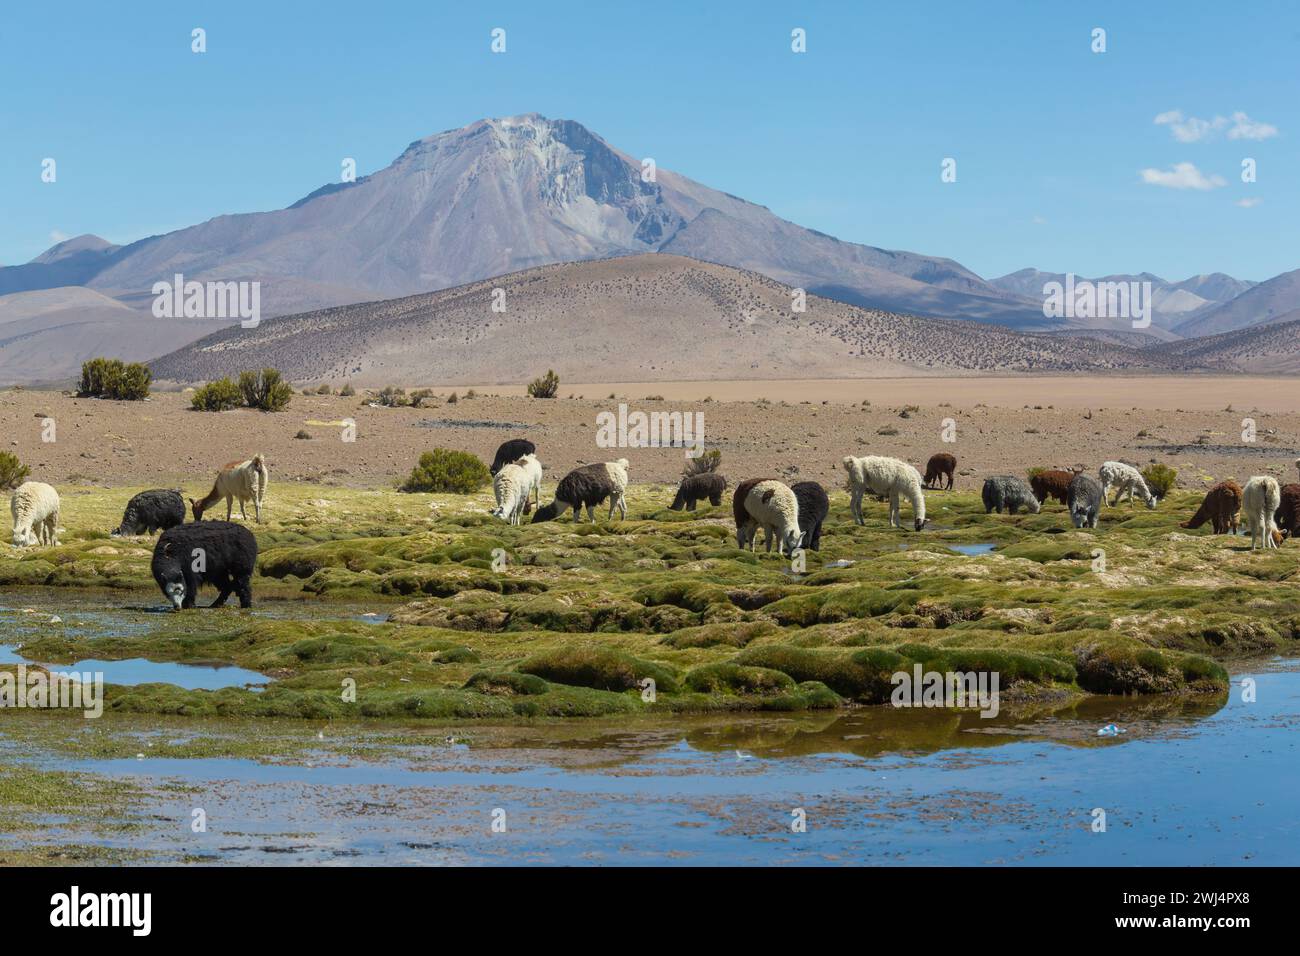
x: 1188, y: 782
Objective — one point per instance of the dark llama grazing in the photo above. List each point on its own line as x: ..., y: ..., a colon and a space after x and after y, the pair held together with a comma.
x: 1221, y: 507
x: 585, y: 486
x: 939, y: 466
x: 1287, y: 516
x: 1084, y: 500
x: 1052, y: 483
x: 512, y: 450
x: 1009, y: 492
x: 150, y: 511
x: 220, y: 553
x: 695, y: 488
x: 813, y: 507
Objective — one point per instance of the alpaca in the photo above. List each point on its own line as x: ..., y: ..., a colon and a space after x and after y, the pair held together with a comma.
x: 813, y: 507
x: 35, y: 509
x: 1127, y: 479
x: 884, y: 476
x: 150, y: 511
x: 1287, y: 516
x: 1260, y: 500
x: 511, y: 450
x: 1084, y: 499
x: 694, y: 488
x: 939, y: 466
x: 229, y: 556
x: 1052, y: 483
x: 244, y: 480
x: 1221, y: 507
x: 770, y: 505
x: 1010, y: 492
x: 511, y: 485
x: 587, y: 486
x: 533, y: 468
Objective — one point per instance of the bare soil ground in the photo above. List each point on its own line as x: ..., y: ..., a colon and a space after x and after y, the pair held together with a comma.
x: 794, y: 429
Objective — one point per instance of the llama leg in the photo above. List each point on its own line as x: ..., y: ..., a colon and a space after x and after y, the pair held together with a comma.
x: 244, y: 589
x: 893, y: 508
x: 223, y: 592
x: 257, y: 509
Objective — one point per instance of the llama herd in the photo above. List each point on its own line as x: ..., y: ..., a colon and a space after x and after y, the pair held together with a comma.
x: 792, y: 516
x: 219, y: 553
x: 789, y: 516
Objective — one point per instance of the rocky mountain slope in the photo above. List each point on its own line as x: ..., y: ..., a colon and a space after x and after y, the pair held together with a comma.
x: 641, y: 318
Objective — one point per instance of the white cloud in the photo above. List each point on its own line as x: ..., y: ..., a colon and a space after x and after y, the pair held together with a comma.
x: 1039, y: 221
x: 1248, y: 203
x: 1193, y: 129
x: 1243, y: 127
x: 1182, y: 176
x: 1187, y: 129
x: 57, y: 236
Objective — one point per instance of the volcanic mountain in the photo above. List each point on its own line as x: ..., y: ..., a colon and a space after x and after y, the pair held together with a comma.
x: 503, y: 195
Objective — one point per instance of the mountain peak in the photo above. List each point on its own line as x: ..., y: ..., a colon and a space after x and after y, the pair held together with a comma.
x: 70, y: 247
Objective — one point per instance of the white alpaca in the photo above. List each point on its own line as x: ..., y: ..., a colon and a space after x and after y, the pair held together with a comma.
x: 618, y: 475
x: 35, y: 509
x: 242, y: 480
x: 773, y: 507
x: 533, y: 468
x: 885, y: 476
x: 1260, y: 500
x: 511, y: 485
x: 1126, y: 479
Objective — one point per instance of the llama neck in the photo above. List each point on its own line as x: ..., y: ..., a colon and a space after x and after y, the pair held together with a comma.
x: 211, y: 498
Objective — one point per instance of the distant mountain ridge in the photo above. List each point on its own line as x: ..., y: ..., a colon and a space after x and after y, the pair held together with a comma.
x: 1174, y: 303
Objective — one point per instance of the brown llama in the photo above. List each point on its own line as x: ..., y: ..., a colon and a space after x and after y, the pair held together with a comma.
x: 1287, y: 516
x: 1221, y: 507
x: 940, y: 466
x: 1052, y: 483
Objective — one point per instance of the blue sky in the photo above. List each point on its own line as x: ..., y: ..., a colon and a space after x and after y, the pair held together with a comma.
x: 1050, y: 138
